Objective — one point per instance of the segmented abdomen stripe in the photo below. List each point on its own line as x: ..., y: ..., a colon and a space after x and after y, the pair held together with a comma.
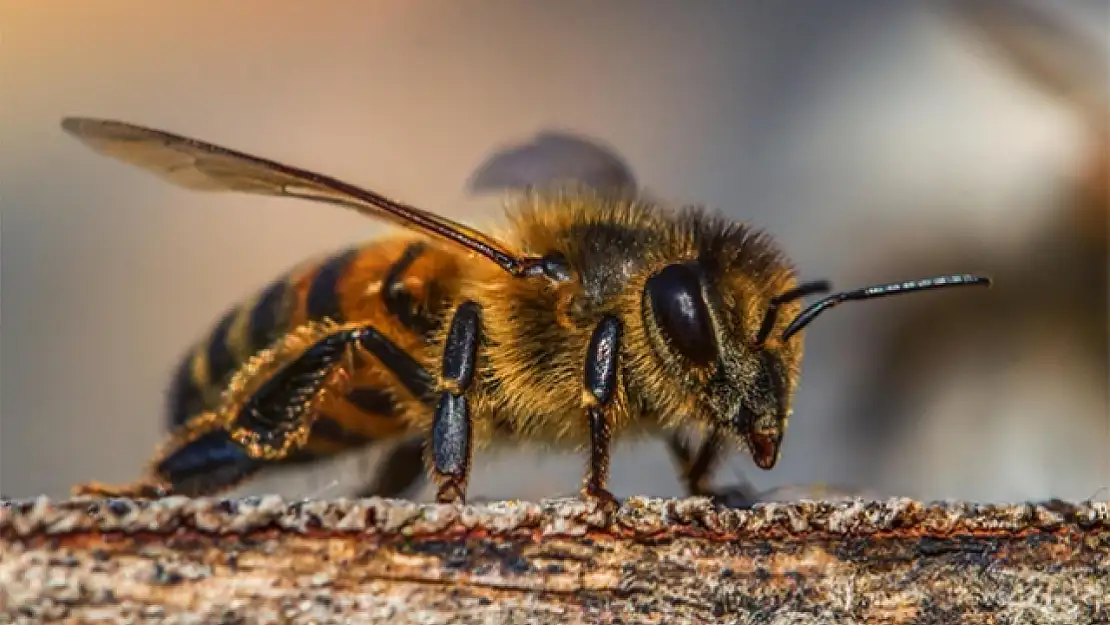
x: 220, y: 356
x: 270, y: 314
x: 398, y: 301
x: 256, y: 324
x: 323, y: 294
x: 186, y: 398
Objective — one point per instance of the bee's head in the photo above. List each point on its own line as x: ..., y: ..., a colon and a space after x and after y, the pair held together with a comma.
x: 701, y: 327
x: 729, y: 341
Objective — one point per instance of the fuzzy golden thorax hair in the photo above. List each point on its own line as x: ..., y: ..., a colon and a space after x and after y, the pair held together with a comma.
x: 690, y: 289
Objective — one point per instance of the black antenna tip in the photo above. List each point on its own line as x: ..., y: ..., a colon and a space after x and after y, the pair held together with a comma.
x: 807, y: 316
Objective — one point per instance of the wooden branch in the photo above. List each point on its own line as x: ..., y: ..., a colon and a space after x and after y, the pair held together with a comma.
x: 264, y: 560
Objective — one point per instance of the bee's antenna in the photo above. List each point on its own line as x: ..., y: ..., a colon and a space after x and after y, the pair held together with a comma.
x: 880, y: 290
x: 769, y: 319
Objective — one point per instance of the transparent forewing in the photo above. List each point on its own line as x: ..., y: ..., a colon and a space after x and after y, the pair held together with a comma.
x: 197, y: 165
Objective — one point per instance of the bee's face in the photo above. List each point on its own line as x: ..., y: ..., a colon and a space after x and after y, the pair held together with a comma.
x: 702, y: 330
x: 754, y: 402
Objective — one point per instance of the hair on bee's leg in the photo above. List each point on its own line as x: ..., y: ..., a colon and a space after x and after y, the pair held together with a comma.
x: 451, y: 423
x: 273, y: 401
x: 270, y: 405
x: 600, y: 385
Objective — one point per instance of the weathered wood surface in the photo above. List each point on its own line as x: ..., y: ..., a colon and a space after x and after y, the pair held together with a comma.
x: 265, y: 560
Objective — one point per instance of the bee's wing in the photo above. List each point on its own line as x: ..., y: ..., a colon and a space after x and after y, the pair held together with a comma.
x: 194, y: 164
x: 552, y: 158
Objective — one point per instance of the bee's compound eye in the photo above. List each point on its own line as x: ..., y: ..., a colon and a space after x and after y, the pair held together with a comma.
x: 681, y: 313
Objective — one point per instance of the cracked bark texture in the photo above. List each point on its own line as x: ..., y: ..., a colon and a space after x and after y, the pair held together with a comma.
x: 266, y: 560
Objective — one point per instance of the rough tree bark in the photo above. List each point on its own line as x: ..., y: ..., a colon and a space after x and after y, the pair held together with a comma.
x: 264, y: 560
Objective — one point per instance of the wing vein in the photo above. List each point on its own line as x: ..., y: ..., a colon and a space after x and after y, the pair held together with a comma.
x: 194, y: 164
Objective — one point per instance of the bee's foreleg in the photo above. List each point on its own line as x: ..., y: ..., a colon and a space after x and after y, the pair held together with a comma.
x: 600, y: 387
x: 696, y: 469
x: 451, y: 426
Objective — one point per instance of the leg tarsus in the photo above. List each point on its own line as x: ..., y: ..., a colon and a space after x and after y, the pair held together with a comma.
x: 600, y: 441
x: 136, y: 490
x: 451, y: 491
x: 603, y: 500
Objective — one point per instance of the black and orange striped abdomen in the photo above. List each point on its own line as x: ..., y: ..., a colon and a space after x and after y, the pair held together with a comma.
x: 399, y: 286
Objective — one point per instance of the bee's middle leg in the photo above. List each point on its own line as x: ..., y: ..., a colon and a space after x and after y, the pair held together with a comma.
x: 600, y: 387
x: 451, y: 423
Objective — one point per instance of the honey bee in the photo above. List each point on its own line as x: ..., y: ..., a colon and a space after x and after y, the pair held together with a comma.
x: 595, y: 316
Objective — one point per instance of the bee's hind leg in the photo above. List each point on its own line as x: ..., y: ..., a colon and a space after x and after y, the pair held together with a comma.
x: 198, y: 459
x: 273, y: 400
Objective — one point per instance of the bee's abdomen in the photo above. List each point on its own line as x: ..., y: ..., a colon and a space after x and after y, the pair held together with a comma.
x: 241, y: 331
x: 371, y: 284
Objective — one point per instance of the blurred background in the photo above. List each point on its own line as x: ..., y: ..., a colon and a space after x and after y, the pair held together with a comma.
x: 877, y: 140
